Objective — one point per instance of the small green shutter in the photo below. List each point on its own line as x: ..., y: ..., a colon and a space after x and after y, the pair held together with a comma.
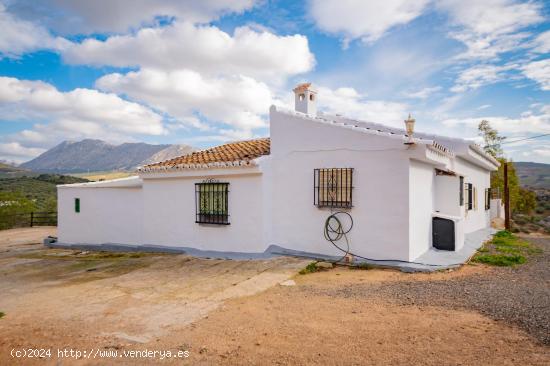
x: 77, y: 205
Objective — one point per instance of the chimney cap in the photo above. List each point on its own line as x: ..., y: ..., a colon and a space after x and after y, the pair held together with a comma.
x: 303, y: 87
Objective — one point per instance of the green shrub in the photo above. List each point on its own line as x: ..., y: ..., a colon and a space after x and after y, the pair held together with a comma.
x: 503, y: 234
x: 310, y: 268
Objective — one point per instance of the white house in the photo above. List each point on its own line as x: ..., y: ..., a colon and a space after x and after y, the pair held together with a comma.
x: 406, y: 192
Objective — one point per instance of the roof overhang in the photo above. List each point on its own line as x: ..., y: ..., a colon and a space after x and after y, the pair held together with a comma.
x: 201, y: 172
x: 129, y: 182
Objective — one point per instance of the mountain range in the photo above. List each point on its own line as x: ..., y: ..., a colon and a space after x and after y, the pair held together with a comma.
x: 96, y: 155
x: 533, y: 175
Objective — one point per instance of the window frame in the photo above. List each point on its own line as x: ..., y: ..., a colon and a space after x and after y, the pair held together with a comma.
x: 469, y: 196
x: 461, y: 188
x: 212, y: 191
x: 326, y: 180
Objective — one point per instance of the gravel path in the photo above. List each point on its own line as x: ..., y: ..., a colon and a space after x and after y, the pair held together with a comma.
x: 519, y: 295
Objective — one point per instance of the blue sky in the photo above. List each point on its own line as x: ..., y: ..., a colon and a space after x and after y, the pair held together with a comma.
x: 203, y: 73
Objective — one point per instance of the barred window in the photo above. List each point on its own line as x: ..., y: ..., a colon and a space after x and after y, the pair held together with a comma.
x: 469, y: 196
x: 461, y: 188
x: 211, y: 201
x: 333, y: 187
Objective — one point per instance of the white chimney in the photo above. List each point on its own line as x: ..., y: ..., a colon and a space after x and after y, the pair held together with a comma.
x: 305, y: 99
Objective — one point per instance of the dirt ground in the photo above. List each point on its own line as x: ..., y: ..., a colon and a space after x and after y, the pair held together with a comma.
x: 234, y: 312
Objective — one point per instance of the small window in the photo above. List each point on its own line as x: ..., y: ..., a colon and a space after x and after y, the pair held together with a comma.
x: 311, y: 97
x: 487, y: 198
x: 302, y: 96
x: 469, y: 196
x: 211, y: 200
x: 77, y: 205
x: 333, y: 187
x: 461, y: 189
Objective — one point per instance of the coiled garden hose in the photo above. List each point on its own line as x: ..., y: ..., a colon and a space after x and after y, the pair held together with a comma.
x: 334, y: 232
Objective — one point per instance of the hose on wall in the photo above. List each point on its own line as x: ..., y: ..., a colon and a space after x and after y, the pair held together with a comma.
x: 334, y: 231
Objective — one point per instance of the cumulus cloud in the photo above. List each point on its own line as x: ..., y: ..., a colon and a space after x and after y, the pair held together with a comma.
x: 75, y: 114
x: 490, y: 27
x: 15, y: 152
x: 20, y: 36
x: 200, y: 48
x: 237, y: 101
x: 32, y: 99
x: 530, y: 122
x: 366, y: 20
x: 540, y: 72
x: 119, y: 16
x: 351, y: 103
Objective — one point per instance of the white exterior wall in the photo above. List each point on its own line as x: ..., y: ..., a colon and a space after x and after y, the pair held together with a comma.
x: 107, y: 215
x: 421, y: 207
x: 169, y: 216
x: 380, y: 194
x: 394, y: 198
x: 479, y: 218
x: 447, y: 195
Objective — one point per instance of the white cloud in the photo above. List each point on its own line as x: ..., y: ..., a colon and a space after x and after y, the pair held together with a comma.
x: 541, y: 43
x: 422, y: 93
x: 76, y: 114
x: 119, y: 16
x: 540, y: 72
x: 480, y: 75
x: 530, y: 122
x: 237, y: 101
x: 350, y: 103
x: 484, y: 106
x: 18, y: 36
x: 544, y: 152
x: 490, y: 27
x: 22, y: 99
x: 200, y: 48
x: 14, y: 151
x: 367, y: 20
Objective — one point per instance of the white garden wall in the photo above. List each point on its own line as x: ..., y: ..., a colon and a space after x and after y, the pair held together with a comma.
x: 107, y: 215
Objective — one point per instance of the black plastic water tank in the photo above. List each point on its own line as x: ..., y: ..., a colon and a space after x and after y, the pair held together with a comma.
x: 443, y: 233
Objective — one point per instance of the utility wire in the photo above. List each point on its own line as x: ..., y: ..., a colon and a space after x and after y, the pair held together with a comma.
x: 526, y: 138
x: 523, y: 139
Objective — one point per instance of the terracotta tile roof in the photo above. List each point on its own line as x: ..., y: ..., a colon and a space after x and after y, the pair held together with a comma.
x: 241, y: 151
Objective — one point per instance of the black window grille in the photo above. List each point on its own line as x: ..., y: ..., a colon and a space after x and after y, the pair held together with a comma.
x: 333, y: 187
x: 470, y: 196
x: 487, y: 198
x: 461, y: 191
x: 211, y: 203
